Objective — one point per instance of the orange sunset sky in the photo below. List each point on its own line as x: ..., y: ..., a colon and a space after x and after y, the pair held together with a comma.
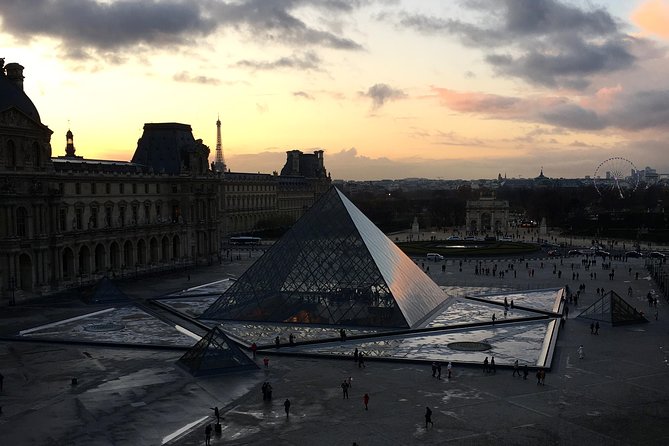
x: 389, y: 89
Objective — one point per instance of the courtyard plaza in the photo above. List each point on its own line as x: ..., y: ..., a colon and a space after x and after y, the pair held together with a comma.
x: 129, y: 390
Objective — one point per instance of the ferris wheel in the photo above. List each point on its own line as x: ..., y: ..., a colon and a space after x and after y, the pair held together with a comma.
x: 618, y: 175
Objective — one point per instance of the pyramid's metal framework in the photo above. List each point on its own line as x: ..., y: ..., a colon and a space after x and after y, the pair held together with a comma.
x: 334, y: 266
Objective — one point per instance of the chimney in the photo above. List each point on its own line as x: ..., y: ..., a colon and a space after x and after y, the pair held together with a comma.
x: 15, y: 74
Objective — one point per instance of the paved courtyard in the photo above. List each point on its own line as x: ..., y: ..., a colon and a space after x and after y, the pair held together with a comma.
x: 617, y: 394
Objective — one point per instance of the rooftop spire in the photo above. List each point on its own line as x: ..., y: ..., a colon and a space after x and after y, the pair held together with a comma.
x: 219, y: 164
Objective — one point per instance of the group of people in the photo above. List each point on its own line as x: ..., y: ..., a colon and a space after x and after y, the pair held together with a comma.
x: 489, y: 366
x: 359, y: 358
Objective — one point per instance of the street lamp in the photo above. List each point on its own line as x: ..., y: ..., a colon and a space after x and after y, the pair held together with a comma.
x: 12, y: 289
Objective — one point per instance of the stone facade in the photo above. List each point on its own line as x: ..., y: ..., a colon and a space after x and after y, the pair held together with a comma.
x: 66, y: 220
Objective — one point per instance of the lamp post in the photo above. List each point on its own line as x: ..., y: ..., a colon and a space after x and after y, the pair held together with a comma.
x: 12, y: 290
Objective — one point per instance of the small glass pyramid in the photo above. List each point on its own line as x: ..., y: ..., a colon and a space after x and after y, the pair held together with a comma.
x: 213, y: 354
x: 613, y: 309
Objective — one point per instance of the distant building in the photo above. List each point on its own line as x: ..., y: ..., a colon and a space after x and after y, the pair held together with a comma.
x: 68, y: 220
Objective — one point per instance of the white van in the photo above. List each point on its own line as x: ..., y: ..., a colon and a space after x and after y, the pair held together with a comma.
x: 434, y: 256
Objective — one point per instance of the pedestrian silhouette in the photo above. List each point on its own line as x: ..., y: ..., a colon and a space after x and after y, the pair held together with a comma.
x: 428, y: 417
x: 580, y: 352
x: 286, y: 406
x: 365, y: 400
x: 207, y: 435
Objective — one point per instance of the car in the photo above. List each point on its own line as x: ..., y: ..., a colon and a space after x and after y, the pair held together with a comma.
x: 553, y: 253
x: 633, y: 254
x: 657, y: 255
x: 602, y: 253
x: 471, y: 238
x: 434, y: 256
x: 574, y: 252
x: 506, y: 239
x: 490, y: 238
x: 454, y: 237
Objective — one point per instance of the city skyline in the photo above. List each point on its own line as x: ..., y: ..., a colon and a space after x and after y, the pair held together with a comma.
x: 389, y: 89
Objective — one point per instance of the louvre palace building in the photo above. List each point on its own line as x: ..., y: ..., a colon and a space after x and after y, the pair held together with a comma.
x: 67, y: 221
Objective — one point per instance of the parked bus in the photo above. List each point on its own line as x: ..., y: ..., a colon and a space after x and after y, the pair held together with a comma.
x: 245, y: 240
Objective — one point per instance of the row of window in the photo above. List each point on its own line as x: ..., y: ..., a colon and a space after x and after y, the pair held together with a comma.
x: 115, y: 188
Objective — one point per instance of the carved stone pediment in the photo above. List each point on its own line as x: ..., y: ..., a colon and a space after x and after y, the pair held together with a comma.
x: 13, y: 117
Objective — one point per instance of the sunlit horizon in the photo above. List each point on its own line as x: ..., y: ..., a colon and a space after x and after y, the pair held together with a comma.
x: 387, y: 90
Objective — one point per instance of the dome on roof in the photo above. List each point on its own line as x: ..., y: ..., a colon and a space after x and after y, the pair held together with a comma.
x: 12, y: 95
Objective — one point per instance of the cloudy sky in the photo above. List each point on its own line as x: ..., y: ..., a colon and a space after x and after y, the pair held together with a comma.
x: 388, y: 88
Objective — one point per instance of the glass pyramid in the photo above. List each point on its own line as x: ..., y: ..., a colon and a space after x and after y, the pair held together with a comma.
x: 213, y: 354
x: 613, y: 309
x: 334, y: 266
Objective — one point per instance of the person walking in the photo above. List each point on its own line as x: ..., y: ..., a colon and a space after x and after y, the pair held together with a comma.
x: 580, y: 352
x: 355, y: 355
x: 286, y: 407
x: 434, y: 369
x: 515, y: 369
x: 492, y: 365
x: 485, y: 365
x: 254, y: 347
x: 207, y: 435
x: 597, y: 328
x: 449, y: 367
x: 365, y: 400
x: 265, y: 361
x: 526, y: 372
x: 439, y: 370
x: 592, y: 328
x: 428, y: 417
x: 344, y: 388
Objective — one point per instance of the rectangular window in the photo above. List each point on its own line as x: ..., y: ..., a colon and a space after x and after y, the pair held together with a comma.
x: 147, y: 213
x: 62, y: 219
x: 108, y: 216
x: 159, y: 211
x: 78, y: 218
x: 77, y: 188
x: 121, y: 188
x: 121, y: 216
x: 108, y: 188
x: 93, y: 220
x: 94, y: 188
x: 146, y: 188
x: 134, y: 188
x: 135, y: 214
x: 61, y: 188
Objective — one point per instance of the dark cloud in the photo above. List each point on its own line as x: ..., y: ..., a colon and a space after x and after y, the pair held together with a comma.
x: 544, y: 42
x: 306, y: 61
x: 574, y: 117
x: 303, y: 94
x: 380, y: 93
x: 185, y: 76
x: 88, y: 28
x: 628, y: 111
x: 642, y: 110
